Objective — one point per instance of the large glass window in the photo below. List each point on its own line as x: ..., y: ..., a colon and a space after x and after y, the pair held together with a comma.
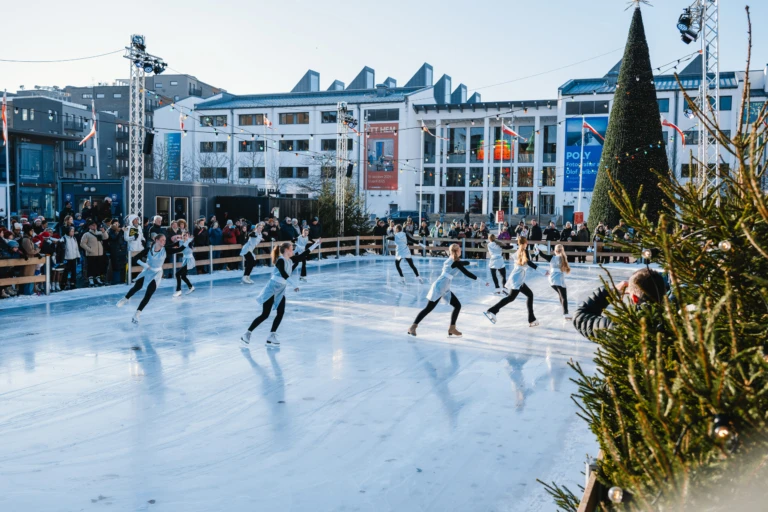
x: 329, y: 116
x: 525, y: 177
x: 476, y: 142
x: 502, y: 147
x: 295, y: 118
x: 251, y: 146
x: 547, y: 204
x: 455, y: 201
x: 505, y: 195
x: 430, y: 148
x: 383, y: 114
x: 429, y: 177
x: 37, y: 200
x: 691, y: 138
x: 524, y: 202
x: 504, y: 171
x: 525, y: 144
x: 210, y: 173
x: 726, y: 102
x: 330, y: 144
x: 550, y: 143
x: 213, y: 120
x: 548, y: 177
x: 689, y: 170
x: 251, y: 119
x: 36, y: 163
x: 457, y: 145
x: 456, y: 177
x: 213, y: 147
x: 663, y: 104
x: 475, y: 176
x: 475, y: 202
x: 250, y: 173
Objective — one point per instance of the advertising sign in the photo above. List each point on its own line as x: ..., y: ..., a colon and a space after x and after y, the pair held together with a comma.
x: 381, y: 156
x: 593, y: 151
x: 173, y: 156
x: 578, y: 217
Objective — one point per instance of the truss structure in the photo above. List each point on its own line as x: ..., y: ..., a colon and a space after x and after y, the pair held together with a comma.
x: 342, y: 131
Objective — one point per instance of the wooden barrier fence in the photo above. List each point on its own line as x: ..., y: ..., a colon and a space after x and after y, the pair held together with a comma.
x: 44, y: 277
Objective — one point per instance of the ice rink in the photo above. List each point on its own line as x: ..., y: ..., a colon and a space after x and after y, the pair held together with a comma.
x: 349, y: 414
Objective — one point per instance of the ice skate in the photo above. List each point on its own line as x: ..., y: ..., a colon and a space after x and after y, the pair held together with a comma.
x: 497, y: 292
x: 567, y: 317
x: 303, y: 279
x: 535, y: 323
x: 246, y: 337
x: 90, y: 282
x: 402, y: 281
x: 136, y: 316
x: 177, y: 293
x: 412, y: 330
x: 122, y: 302
x: 490, y: 316
x: 421, y: 280
x: 246, y: 280
x: 272, y: 341
x: 99, y: 282
x: 190, y: 290
x: 453, y: 332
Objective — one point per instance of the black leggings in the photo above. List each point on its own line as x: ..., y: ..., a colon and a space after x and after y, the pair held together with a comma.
x: 250, y: 262
x: 431, y: 305
x: 70, y: 270
x: 266, y: 308
x: 563, y: 294
x: 181, y: 274
x: 303, y: 272
x: 151, y: 287
x: 410, y: 262
x: 512, y: 296
x: 503, y: 272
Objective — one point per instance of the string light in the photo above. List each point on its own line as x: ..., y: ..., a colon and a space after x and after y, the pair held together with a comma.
x: 722, y: 429
x: 647, y: 254
x: 724, y: 245
x: 616, y: 494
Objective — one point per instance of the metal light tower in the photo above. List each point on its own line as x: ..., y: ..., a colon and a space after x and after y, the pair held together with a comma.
x: 343, y: 164
x: 141, y: 64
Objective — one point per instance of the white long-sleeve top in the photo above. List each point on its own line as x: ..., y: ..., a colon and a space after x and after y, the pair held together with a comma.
x: 71, y: 249
x: 251, y: 244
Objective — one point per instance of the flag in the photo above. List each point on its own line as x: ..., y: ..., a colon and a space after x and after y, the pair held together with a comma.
x: 5, y: 120
x: 509, y: 131
x: 590, y: 128
x: 181, y: 120
x: 93, y: 124
x: 664, y: 122
x: 267, y: 122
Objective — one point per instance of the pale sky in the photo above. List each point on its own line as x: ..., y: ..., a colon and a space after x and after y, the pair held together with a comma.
x: 260, y: 46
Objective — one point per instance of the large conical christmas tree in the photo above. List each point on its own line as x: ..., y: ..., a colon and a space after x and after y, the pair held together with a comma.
x: 634, y: 143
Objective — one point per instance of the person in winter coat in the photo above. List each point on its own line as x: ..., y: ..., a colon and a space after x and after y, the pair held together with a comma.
x: 568, y: 235
x: 582, y: 235
x: 551, y: 234
x: 200, y: 239
x: 315, y: 229
x: 91, y: 243
x: 297, y: 230
x: 85, y: 213
x: 106, y: 209
x: 67, y: 211
x: 287, y: 233
x: 216, y: 237
x: 644, y: 286
x: 229, y: 237
x: 424, y: 229
x: 118, y: 252
x: 29, y: 249
x: 71, y: 256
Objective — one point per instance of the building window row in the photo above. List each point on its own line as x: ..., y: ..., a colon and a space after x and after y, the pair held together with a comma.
x: 294, y: 145
x: 210, y: 173
x: 213, y: 121
x: 213, y: 147
x: 294, y: 172
x: 580, y: 108
x: 382, y: 114
x: 251, y: 173
x: 251, y: 146
x: 295, y: 118
x: 330, y: 144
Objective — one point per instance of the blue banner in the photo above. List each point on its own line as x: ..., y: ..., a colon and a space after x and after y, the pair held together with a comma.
x: 173, y: 156
x: 593, y: 151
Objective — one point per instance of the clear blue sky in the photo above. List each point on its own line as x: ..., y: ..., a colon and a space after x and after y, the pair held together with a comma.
x: 266, y: 46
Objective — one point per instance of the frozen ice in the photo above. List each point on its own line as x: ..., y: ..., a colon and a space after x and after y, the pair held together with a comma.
x: 349, y: 413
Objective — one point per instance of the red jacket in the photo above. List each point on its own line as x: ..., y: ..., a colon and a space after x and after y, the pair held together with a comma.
x: 229, y: 236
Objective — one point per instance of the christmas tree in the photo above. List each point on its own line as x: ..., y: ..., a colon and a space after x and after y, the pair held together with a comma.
x: 679, y: 401
x: 634, y: 145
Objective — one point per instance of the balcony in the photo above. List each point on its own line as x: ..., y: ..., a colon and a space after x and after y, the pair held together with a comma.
x: 74, y: 166
x: 71, y: 145
x: 194, y: 91
x: 74, y: 125
x: 121, y: 135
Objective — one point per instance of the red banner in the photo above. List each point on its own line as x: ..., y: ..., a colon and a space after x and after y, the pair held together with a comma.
x: 381, y: 156
x: 578, y: 217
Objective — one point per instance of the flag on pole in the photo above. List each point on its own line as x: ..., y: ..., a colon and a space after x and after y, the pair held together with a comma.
x: 267, y: 122
x: 664, y: 122
x: 5, y: 120
x: 512, y: 133
x: 91, y: 133
x: 590, y: 128
x: 426, y: 130
x: 181, y: 120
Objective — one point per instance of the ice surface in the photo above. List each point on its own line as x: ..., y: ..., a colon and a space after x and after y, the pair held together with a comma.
x: 349, y: 414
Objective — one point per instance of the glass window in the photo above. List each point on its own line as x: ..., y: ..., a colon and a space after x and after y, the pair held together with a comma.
x: 524, y: 146
x: 328, y: 145
x: 109, y: 153
x: 117, y: 95
x: 502, y: 147
x: 286, y: 145
x: 213, y: 120
x: 302, y: 172
x: 429, y: 176
x: 475, y: 177
x: 505, y: 200
x: 548, y: 177
x: 99, y: 96
x: 24, y: 115
x: 213, y: 147
x: 475, y: 202
x: 663, y: 104
x: 454, y: 202
x: 430, y: 148
x: 302, y: 145
x: 286, y: 172
x: 524, y: 202
x: 251, y: 119
x: 174, y: 83
x: 38, y: 200
x: 456, y: 177
x: 295, y: 118
x: 476, y: 150
x: 457, y: 145
x: 87, y: 96
x: 525, y: 177
x: 689, y: 170
x: 691, y: 137
x: 251, y: 173
x: 550, y: 143
x: 329, y: 116
x: 726, y: 102
x: 504, y: 173
x: 547, y: 204
x: 36, y: 163
x: 751, y: 113
x: 382, y: 114
x: 158, y: 85
x: 251, y: 146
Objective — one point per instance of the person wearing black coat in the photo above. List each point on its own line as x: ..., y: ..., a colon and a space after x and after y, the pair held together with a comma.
x: 315, y: 229
x: 535, y: 235
x: 118, y: 252
x: 551, y: 234
x: 66, y: 211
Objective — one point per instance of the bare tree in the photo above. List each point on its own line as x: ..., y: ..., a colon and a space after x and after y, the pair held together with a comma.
x: 206, y: 165
x: 160, y: 162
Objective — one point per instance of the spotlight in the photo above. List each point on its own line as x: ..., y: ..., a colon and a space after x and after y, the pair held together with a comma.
x: 689, y: 113
x: 689, y: 36
x: 159, y: 66
x: 147, y: 67
x: 137, y: 41
x: 684, y: 21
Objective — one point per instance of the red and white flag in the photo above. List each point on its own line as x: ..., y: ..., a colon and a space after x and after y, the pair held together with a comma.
x: 267, y: 122
x: 181, y: 120
x: 5, y: 120
x: 589, y: 127
x: 664, y: 122
x: 509, y: 131
x: 91, y: 133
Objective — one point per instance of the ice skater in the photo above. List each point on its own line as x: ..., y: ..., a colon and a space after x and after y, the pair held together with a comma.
x: 273, y: 294
x: 516, y: 284
x: 254, y: 238
x: 402, y: 251
x: 558, y: 268
x: 187, y: 263
x: 153, y: 271
x: 301, y: 246
x: 496, y: 264
x: 441, y: 289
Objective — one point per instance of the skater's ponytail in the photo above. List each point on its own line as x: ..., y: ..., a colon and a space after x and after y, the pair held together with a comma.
x: 278, y: 250
x: 522, y: 253
x: 491, y: 237
x: 455, y: 252
x: 560, y: 251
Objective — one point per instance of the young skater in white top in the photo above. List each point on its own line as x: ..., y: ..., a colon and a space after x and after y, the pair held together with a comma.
x: 187, y: 264
x: 402, y: 251
x: 496, y: 263
x: 516, y: 284
x: 558, y: 269
x: 301, y: 246
x: 254, y: 239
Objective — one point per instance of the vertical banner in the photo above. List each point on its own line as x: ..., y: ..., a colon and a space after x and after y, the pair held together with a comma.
x: 381, y: 156
x: 172, y: 156
x: 593, y: 151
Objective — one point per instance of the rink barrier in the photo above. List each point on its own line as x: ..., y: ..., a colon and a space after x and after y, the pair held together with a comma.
x: 43, y: 277
x: 593, y: 489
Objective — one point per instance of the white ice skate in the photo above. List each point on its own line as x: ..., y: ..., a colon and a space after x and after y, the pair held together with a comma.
x: 567, y: 317
x: 490, y: 316
x: 497, y: 292
x: 421, y: 280
x: 303, y: 279
x: 177, y: 293
x: 122, y: 302
x: 190, y: 290
x: 135, y: 318
x: 272, y: 341
x: 402, y: 281
x: 246, y: 337
x: 535, y: 323
x: 246, y: 280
